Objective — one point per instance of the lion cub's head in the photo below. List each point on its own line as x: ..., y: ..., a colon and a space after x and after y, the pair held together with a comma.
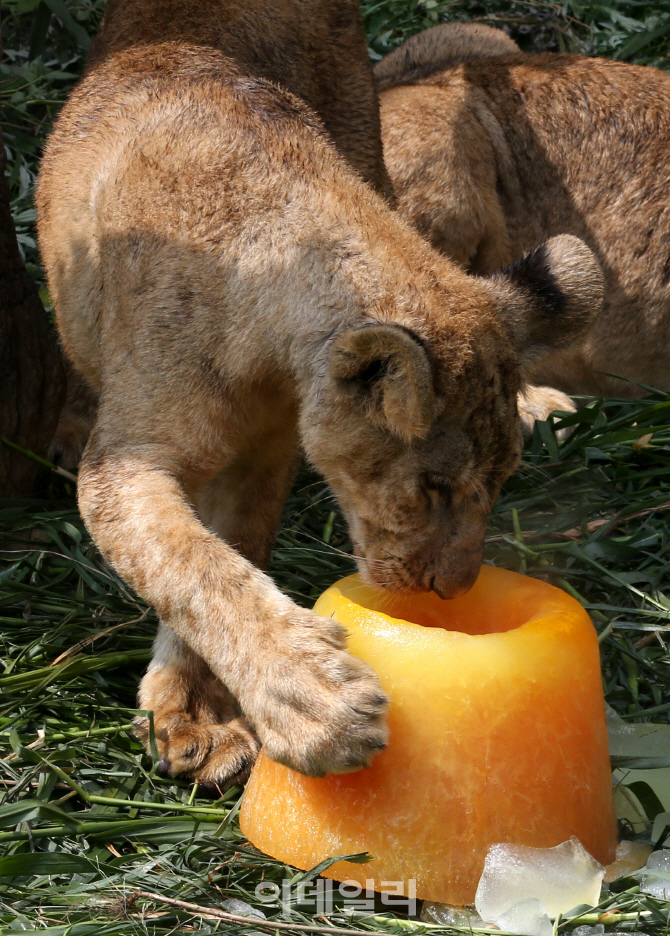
x: 415, y: 426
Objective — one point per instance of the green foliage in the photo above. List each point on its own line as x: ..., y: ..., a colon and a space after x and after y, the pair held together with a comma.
x: 44, y: 46
x: 623, y: 29
x: 562, y: 517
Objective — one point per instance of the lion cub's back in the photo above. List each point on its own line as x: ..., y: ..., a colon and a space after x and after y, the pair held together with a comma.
x: 159, y: 159
x: 441, y: 46
x: 578, y: 145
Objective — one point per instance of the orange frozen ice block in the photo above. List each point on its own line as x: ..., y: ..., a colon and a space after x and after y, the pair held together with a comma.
x: 498, y: 734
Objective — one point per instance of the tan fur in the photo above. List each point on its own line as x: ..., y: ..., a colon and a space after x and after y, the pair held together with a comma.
x: 233, y: 290
x: 490, y: 156
x: 75, y: 422
x: 443, y: 45
x: 536, y: 403
x: 200, y: 729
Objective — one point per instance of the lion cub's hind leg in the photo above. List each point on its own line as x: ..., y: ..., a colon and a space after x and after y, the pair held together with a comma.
x: 200, y: 730
x: 443, y: 163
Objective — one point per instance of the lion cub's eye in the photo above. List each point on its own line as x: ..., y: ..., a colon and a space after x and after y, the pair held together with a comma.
x: 438, y: 488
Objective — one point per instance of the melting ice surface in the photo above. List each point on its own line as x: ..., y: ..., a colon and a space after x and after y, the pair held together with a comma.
x: 630, y: 856
x: 445, y: 915
x: 527, y: 916
x: 561, y: 878
x: 657, y: 881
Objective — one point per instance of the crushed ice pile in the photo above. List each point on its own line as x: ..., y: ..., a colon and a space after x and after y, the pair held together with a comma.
x: 445, y: 915
x: 526, y: 916
x: 522, y: 888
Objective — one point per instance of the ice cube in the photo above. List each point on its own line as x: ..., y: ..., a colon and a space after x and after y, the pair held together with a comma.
x: 560, y: 877
x: 446, y: 915
x: 528, y: 917
x: 629, y: 857
x: 242, y: 908
x: 657, y: 882
x: 588, y: 930
x: 659, y: 860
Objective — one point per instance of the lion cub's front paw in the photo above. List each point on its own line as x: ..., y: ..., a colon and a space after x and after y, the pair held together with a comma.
x: 318, y: 709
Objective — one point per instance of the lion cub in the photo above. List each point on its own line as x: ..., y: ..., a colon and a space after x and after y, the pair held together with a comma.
x: 233, y: 289
x: 492, y: 151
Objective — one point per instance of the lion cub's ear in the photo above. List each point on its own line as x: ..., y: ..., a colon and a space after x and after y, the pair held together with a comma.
x: 387, y: 370
x: 549, y: 298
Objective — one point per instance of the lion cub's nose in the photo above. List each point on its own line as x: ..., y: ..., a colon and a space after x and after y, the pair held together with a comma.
x: 163, y: 768
x: 457, y: 583
x: 434, y: 586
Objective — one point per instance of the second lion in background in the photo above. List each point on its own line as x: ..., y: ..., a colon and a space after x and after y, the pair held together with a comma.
x: 492, y: 151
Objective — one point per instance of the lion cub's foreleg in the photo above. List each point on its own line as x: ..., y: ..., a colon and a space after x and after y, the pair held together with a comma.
x: 199, y: 726
x: 313, y: 705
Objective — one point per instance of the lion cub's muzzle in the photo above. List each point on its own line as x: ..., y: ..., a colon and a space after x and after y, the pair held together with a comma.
x: 447, y: 569
x: 460, y: 578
